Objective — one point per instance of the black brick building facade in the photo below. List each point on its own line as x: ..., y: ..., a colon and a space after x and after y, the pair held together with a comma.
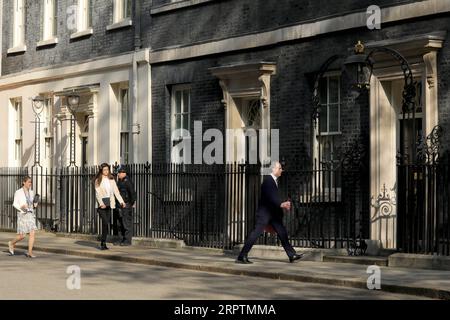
x: 231, y: 53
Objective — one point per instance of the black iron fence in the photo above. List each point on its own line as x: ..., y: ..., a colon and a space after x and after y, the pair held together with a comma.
x: 424, y: 208
x: 211, y: 206
x: 329, y: 207
x: 10, y: 179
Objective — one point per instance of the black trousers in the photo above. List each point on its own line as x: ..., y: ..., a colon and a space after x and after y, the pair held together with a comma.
x: 123, y: 223
x: 105, y: 217
x: 127, y: 224
x: 117, y: 223
x: 261, y: 223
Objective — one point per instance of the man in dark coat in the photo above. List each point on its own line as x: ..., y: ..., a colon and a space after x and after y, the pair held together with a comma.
x: 128, y: 194
x: 270, y: 212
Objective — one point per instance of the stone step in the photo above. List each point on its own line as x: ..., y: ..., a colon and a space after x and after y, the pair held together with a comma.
x: 365, y: 260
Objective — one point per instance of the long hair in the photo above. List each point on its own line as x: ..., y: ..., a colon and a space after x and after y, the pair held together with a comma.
x: 98, y: 177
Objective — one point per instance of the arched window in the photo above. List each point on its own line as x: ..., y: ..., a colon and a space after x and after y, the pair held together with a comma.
x: 328, y: 135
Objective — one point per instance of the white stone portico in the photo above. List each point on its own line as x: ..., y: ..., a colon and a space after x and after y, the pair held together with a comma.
x: 385, y: 115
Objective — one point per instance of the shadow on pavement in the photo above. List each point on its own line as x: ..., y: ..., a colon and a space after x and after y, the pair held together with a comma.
x: 87, y: 244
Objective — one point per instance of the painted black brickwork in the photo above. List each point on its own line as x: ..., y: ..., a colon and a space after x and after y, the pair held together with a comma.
x: 101, y: 43
x: 291, y: 93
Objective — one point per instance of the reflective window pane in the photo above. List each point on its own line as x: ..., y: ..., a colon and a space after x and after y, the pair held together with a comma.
x: 178, y: 121
x: 124, y: 109
x: 186, y: 101
x: 323, y: 91
x: 186, y: 121
x: 178, y: 102
x: 334, y: 90
x: 323, y: 119
x: 333, y: 118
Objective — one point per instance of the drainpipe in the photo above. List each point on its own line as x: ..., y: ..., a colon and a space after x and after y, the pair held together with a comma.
x: 134, y: 102
x: 134, y: 83
x: 137, y: 26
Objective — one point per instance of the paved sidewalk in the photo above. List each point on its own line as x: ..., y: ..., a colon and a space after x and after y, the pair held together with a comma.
x: 427, y: 283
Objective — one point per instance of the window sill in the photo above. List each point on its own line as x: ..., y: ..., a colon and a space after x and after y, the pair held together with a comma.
x: 47, y: 42
x: 121, y: 24
x: 333, y: 133
x: 18, y: 49
x: 177, y: 5
x: 81, y: 34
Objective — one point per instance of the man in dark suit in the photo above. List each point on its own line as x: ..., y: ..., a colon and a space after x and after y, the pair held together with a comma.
x: 126, y: 189
x: 270, y: 212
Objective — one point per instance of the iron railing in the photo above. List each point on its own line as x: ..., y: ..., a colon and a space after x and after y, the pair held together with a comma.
x: 204, y: 205
x: 424, y: 208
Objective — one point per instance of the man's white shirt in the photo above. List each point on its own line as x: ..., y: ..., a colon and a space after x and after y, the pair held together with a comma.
x: 274, y: 178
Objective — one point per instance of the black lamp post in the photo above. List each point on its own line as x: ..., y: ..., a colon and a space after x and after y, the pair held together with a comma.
x: 73, y: 101
x: 359, y: 69
x: 38, y: 106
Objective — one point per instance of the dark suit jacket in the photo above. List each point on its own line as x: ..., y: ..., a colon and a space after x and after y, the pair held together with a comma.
x: 269, y: 203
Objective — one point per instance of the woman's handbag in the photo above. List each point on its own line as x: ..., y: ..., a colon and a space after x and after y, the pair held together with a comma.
x: 106, y: 202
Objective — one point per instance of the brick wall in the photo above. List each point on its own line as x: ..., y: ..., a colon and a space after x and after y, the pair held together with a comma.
x: 227, y: 18
x: 102, y: 42
x: 291, y: 93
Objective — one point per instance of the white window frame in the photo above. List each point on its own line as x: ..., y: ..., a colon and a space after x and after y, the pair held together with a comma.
x: 49, y: 19
x: 124, y: 156
x: 49, y: 23
x: 47, y: 116
x: 84, y: 14
x: 121, y: 18
x: 17, y: 108
x: 176, y: 191
x: 18, y: 36
x: 121, y: 10
x: 327, y: 192
x: 173, y: 115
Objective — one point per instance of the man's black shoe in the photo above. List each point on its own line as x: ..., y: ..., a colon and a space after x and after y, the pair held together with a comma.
x: 295, y: 257
x: 103, y: 246
x: 243, y: 260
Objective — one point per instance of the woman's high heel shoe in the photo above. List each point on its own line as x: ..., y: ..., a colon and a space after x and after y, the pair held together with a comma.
x: 30, y: 255
x: 10, y: 248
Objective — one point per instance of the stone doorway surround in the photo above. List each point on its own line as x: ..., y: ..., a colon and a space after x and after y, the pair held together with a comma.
x: 421, y: 53
x: 87, y: 108
x: 241, y: 82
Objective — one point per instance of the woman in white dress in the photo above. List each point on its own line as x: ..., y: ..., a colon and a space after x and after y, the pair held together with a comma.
x: 26, y: 218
